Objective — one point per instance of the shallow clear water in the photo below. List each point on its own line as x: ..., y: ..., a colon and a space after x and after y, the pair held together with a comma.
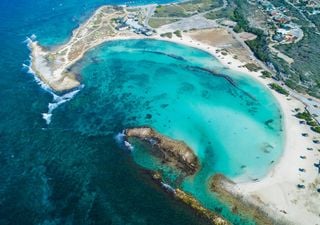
x: 161, y: 84
x: 72, y: 171
x: 234, y: 127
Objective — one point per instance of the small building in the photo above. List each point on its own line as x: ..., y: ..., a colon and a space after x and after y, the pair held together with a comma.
x: 121, y: 20
x: 148, y: 32
x: 277, y: 37
x: 290, y: 38
x: 131, y: 16
x: 274, y: 13
x: 281, y: 19
x: 122, y: 27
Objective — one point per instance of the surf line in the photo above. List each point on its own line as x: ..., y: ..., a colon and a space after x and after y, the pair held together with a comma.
x: 57, y: 100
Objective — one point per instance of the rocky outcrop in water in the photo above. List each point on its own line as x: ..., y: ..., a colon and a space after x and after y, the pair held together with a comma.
x: 196, y: 205
x: 178, y: 154
x: 174, y: 153
x: 190, y: 201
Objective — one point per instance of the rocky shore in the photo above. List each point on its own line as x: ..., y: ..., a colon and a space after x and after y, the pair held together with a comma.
x: 177, y: 154
x: 223, y: 187
x: 172, y: 152
x: 190, y: 201
x: 196, y: 205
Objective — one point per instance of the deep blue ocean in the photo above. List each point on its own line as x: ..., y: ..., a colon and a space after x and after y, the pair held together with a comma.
x: 59, y: 176
x: 73, y: 171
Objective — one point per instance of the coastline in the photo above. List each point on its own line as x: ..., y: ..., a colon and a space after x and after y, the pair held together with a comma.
x: 278, y: 189
x: 277, y: 192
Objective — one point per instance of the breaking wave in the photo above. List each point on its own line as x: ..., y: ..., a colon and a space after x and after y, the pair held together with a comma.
x: 168, y: 187
x: 122, y: 142
x: 57, y: 99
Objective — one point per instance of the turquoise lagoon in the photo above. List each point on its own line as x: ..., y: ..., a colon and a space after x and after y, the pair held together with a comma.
x: 234, y: 126
x: 232, y: 122
x: 73, y: 171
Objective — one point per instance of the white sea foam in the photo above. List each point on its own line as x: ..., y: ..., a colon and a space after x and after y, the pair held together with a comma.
x: 29, y: 41
x: 128, y: 145
x: 29, y: 70
x: 168, y: 187
x: 47, y: 117
x: 33, y: 37
x: 57, y: 99
x: 120, y: 139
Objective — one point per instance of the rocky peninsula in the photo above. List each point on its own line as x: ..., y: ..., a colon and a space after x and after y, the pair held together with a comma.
x: 280, y: 189
x: 190, y: 201
x: 54, y: 66
x: 224, y: 188
x: 172, y: 152
x: 179, y: 155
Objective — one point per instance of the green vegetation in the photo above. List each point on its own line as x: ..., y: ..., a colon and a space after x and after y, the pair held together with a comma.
x: 305, y: 69
x: 259, y: 45
x: 198, y: 6
x: 178, y: 33
x: 238, y: 11
x: 168, y: 35
x: 307, y: 117
x: 252, y: 67
x: 278, y: 89
x: 316, y: 129
x: 309, y: 120
x: 266, y: 74
x: 157, y: 22
x: 224, y: 13
x: 223, y: 52
x: 303, y: 74
x: 171, y: 10
x: 304, y: 116
x: 315, y: 19
x: 291, y: 12
x: 185, y: 9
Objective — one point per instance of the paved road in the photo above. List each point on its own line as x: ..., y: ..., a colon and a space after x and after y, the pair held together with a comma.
x: 150, y: 11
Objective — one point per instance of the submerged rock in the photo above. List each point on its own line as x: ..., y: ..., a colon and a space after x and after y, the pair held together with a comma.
x: 178, y: 154
x: 189, y: 201
x: 196, y: 205
x: 173, y: 152
x: 224, y: 188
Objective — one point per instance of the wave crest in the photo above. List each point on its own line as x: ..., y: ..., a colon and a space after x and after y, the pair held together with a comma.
x: 122, y: 142
x: 57, y: 99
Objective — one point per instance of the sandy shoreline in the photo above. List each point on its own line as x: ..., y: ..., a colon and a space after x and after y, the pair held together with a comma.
x: 278, y: 190
x: 277, y: 193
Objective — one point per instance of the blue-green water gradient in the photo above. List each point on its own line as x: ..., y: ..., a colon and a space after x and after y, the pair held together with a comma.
x: 233, y: 125
x: 73, y: 171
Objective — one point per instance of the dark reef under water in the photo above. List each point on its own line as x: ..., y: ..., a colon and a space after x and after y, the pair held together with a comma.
x: 73, y: 171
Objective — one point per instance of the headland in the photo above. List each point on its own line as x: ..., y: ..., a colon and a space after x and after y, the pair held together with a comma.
x: 173, y: 152
x: 291, y: 189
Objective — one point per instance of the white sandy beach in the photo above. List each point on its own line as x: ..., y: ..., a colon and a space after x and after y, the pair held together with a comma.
x: 277, y: 193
